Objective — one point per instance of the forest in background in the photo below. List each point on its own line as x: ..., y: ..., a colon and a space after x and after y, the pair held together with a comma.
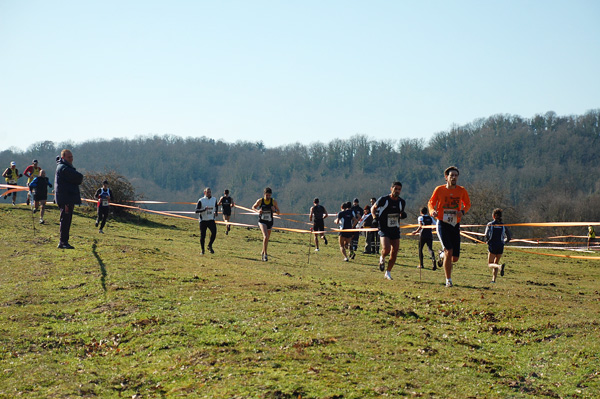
x: 543, y: 168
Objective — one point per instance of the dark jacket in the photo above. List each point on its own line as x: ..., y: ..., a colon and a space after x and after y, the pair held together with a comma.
x: 67, y: 181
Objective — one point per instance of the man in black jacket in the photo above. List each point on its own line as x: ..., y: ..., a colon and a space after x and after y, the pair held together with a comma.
x: 67, y: 181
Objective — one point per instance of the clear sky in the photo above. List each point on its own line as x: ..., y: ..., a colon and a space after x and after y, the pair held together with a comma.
x: 288, y: 71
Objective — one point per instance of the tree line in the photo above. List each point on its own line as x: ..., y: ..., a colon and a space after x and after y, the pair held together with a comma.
x: 543, y: 168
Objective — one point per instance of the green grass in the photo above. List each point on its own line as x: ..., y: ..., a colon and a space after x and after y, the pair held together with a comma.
x: 138, y: 312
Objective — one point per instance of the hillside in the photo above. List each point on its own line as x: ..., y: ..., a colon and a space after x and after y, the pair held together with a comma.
x: 540, y: 169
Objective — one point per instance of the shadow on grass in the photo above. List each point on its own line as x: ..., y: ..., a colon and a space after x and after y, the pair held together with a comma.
x: 101, y: 263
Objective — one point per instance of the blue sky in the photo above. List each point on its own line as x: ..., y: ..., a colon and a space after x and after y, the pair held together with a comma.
x: 282, y: 72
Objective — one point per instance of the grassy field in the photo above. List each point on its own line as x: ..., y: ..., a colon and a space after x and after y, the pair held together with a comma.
x: 139, y: 313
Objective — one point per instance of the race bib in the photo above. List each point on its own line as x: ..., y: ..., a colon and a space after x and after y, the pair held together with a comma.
x: 450, y: 217
x: 393, y: 220
x: 209, y: 211
x: 267, y: 216
x: 12, y: 182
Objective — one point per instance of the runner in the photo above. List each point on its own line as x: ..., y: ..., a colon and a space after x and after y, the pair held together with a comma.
x: 346, y: 220
x: 425, y: 236
x: 11, y: 175
x: 496, y: 236
x: 389, y: 210
x: 31, y: 172
x: 265, y: 207
x: 317, y: 215
x: 226, y: 203
x: 448, y: 204
x: 207, y: 210
x: 39, y: 187
x: 104, y: 197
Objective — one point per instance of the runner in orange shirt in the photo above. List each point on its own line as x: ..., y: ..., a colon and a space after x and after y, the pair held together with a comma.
x: 448, y: 205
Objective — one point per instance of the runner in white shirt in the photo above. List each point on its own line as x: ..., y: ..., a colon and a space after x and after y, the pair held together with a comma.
x: 207, y: 210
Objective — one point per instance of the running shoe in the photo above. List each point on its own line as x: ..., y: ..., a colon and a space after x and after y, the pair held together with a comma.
x: 387, y: 275
x: 448, y: 284
x: 96, y: 224
x: 100, y: 231
x: 65, y: 246
x: 381, y: 264
x: 325, y: 240
x: 211, y: 250
x: 502, y: 269
x: 345, y: 259
x: 27, y: 201
x: 42, y: 221
x: 316, y: 249
x: 352, y: 255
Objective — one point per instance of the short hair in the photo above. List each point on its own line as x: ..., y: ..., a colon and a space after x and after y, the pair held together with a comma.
x: 497, y: 213
x: 450, y: 169
x: 268, y: 190
x: 226, y: 192
x: 367, y: 208
x: 206, y: 189
x: 424, y: 210
x: 396, y: 183
x: 64, y: 152
x: 105, y: 182
x: 316, y: 200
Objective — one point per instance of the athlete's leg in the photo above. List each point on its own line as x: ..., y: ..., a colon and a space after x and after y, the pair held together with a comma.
x: 266, y: 232
x: 430, y: 248
x: 103, y: 214
x: 448, y: 258
x: 421, y: 245
x: 394, y: 245
x: 202, y: 235
x: 343, y: 243
x: 42, y: 205
x: 386, y: 247
x: 494, y: 264
x: 212, y: 226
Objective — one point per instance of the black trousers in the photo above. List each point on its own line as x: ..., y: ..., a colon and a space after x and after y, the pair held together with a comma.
x: 429, y: 242
x: 102, y: 215
x: 210, y: 225
x: 66, y: 216
x: 372, y: 243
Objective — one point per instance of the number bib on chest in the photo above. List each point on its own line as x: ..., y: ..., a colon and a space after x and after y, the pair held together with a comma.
x: 393, y: 220
x: 267, y: 216
x: 450, y: 217
x: 104, y: 202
